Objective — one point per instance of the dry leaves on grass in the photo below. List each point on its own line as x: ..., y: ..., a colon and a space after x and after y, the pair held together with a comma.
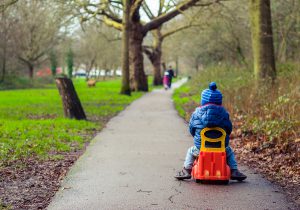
x: 277, y: 160
x: 31, y: 183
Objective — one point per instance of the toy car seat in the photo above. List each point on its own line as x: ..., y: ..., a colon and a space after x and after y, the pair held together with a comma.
x: 211, y: 163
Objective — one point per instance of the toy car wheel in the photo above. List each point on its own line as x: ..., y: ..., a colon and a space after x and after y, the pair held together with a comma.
x: 199, y: 181
x: 225, y: 182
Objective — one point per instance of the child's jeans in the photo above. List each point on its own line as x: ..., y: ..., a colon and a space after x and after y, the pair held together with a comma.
x: 193, y: 152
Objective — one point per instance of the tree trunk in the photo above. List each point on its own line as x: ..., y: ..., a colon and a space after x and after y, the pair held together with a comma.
x: 154, y: 54
x: 3, y: 64
x: 157, y: 80
x: 196, y: 65
x: 31, y: 70
x: 177, y: 66
x: 163, y: 64
x: 262, y: 40
x: 4, y: 52
x: 157, y: 57
x: 125, y: 89
x: 138, y: 79
x: 71, y: 102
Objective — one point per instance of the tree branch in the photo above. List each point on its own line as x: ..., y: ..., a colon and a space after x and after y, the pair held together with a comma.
x: 111, y: 20
x: 111, y: 23
x: 147, y: 11
x: 3, y: 5
x: 156, y: 22
x: 148, y: 52
x: 135, y: 7
x: 171, y: 32
x: 161, y: 6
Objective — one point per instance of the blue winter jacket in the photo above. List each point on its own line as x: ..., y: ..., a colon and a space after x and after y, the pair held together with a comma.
x: 209, y: 115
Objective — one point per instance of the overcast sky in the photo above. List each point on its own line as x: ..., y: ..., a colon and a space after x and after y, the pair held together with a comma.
x: 153, y: 4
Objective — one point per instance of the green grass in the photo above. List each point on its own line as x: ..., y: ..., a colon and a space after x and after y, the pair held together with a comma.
x: 32, y: 121
x: 13, y: 82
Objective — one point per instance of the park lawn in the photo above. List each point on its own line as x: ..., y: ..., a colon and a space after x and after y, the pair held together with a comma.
x: 32, y: 121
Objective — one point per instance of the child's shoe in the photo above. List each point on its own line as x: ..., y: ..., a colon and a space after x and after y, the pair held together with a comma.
x: 237, y: 175
x: 184, y: 174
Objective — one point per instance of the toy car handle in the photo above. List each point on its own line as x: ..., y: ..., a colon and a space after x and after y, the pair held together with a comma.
x: 205, y: 139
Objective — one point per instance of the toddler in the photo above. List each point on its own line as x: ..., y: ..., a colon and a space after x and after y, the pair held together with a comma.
x: 210, y: 114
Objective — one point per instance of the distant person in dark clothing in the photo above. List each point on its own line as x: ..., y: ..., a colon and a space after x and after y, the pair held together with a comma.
x: 171, y: 75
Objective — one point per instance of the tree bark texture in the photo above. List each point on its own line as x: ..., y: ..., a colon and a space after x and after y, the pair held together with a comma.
x: 31, y: 70
x: 262, y: 40
x: 3, y: 64
x: 157, y: 54
x: 71, y: 103
x: 138, y: 79
x: 125, y: 89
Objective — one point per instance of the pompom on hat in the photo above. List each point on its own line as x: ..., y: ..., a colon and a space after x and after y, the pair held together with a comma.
x: 211, y: 95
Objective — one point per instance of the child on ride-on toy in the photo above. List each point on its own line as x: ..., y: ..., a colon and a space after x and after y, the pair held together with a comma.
x: 210, y: 114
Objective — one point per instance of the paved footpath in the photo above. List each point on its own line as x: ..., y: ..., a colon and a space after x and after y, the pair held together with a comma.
x: 131, y: 164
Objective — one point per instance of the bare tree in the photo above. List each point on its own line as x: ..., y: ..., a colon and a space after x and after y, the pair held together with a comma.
x: 36, y: 32
x: 286, y: 24
x: 98, y: 46
x: 109, y: 12
x: 154, y: 51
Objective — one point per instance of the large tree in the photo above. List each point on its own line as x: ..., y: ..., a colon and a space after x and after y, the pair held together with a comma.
x: 154, y: 51
x: 262, y: 39
x: 109, y: 11
x: 125, y: 49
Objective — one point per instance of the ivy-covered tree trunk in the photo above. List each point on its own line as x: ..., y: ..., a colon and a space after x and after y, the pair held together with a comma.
x: 262, y: 40
x: 125, y: 89
x: 138, y: 79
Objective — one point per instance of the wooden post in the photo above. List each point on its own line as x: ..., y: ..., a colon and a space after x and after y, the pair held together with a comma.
x: 71, y: 103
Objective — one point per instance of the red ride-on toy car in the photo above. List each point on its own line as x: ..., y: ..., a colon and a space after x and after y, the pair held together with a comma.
x: 211, y: 164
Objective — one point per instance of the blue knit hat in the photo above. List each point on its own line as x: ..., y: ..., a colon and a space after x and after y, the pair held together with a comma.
x: 211, y: 95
